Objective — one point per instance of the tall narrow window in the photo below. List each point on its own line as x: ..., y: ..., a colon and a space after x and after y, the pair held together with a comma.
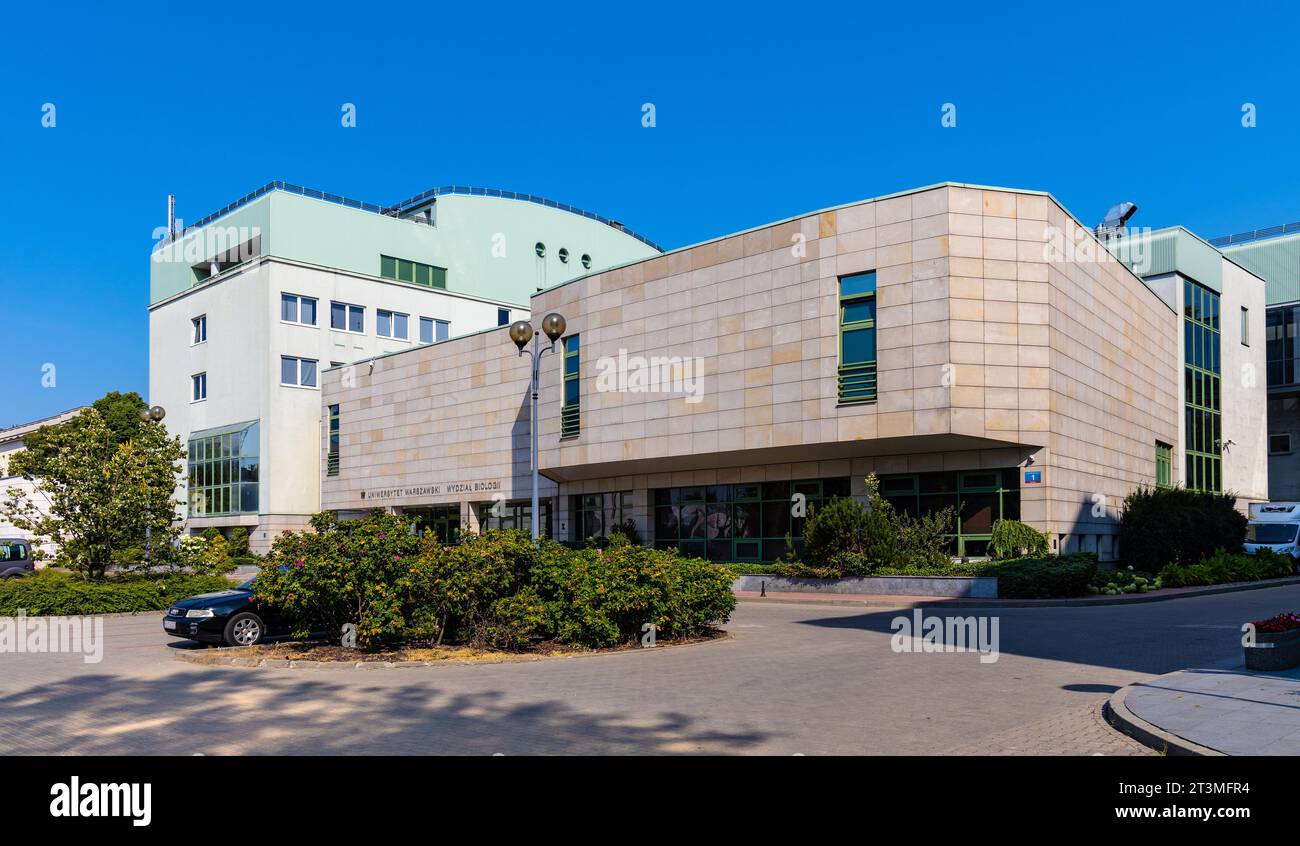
x: 200, y: 326
x: 1245, y: 326
x: 569, y: 416
x: 198, y: 387
x: 1164, y: 463
x: 332, y: 456
x: 1202, y: 402
x: 857, y: 374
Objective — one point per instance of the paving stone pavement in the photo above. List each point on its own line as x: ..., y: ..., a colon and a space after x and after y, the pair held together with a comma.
x: 1078, y: 731
x: 791, y: 679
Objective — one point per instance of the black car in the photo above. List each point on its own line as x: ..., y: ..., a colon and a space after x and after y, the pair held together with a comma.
x: 15, y: 558
x: 227, y: 616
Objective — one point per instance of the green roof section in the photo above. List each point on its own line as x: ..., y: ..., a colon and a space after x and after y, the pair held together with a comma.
x: 493, y: 245
x: 1277, y: 260
x: 1172, y: 250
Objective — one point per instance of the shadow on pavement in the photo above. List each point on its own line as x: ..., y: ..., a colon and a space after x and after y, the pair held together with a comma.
x: 233, y: 711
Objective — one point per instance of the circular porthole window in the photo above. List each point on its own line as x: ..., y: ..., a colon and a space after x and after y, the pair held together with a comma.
x: 564, y: 255
x: 586, y: 261
x: 541, y: 249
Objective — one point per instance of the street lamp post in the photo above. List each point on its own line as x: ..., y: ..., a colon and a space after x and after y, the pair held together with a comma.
x: 149, y: 415
x: 521, y: 332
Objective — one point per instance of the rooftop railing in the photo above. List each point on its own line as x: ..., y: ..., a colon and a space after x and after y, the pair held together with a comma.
x: 1255, y: 235
x: 404, y: 207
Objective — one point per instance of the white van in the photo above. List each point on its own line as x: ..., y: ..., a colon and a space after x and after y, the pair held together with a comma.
x: 1274, y: 526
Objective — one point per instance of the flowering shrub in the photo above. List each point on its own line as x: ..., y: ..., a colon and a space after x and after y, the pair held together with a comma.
x: 359, y: 572
x: 1281, y: 623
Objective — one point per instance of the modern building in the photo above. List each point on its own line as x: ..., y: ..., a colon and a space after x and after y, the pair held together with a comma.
x: 974, y: 347
x: 1274, y: 255
x: 12, y: 441
x: 251, y: 304
x: 1223, y: 430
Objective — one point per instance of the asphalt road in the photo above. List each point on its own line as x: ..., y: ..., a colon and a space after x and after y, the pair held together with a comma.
x: 803, y: 679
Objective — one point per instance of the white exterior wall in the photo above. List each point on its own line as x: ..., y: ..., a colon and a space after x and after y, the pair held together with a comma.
x: 241, y: 356
x: 1244, y: 400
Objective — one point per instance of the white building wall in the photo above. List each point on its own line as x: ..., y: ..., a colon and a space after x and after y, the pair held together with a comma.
x: 245, y: 340
x: 1244, y: 376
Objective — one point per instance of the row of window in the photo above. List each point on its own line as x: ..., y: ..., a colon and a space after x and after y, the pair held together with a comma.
x: 346, y: 317
x: 745, y: 522
x: 294, y: 372
x: 563, y: 254
x: 402, y: 270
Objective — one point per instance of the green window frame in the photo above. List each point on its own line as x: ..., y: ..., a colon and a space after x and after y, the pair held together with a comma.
x: 417, y: 273
x: 742, y: 522
x: 570, y: 417
x: 593, y: 515
x: 857, y: 318
x: 1202, y: 384
x: 332, y: 456
x: 979, y: 499
x: 223, y: 469
x: 1164, y: 464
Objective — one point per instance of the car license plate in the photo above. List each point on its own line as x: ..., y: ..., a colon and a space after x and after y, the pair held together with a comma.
x: 169, y: 624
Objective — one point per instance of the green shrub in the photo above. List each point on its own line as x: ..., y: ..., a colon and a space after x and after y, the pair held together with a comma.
x: 206, y: 554
x: 1161, y: 526
x: 1223, y: 567
x: 1036, y: 578
x: 1124, y: 580
x: 238, y: 540
x: 846, y: 538
x: 462, y: 588
x: 497, y: 589
x: 1011, y: 539
x: 604, y: 597
x: 52, y: 592
x: 360, y: 572
x: 246, y: 561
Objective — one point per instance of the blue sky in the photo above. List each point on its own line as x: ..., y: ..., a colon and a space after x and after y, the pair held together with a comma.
x: 763, y: 112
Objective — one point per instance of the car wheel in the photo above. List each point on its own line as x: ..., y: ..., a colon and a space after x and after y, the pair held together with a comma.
x: 244, y: 630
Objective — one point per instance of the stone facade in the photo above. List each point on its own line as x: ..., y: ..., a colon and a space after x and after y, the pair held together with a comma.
x: 996, y: 349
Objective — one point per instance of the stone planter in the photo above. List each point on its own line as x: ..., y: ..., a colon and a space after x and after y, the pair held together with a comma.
x: 980, y: 587
x: 1274, y: 651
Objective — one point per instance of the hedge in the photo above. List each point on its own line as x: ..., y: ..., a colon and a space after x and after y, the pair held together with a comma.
x: 497, y: 590
x: 1162, y: 526
x: 52, y: 592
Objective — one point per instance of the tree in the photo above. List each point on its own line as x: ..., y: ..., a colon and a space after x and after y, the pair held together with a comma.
x: 120, y: 413
x: 102, y: 493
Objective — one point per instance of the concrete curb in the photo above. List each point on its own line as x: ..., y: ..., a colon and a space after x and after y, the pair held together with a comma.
x: 1064, y: 602
x: 1148, y: 734
x: 232, y: 656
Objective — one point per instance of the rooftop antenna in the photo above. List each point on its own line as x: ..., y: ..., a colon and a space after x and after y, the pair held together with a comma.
x: 171, y: 217
x: 1112, y: 225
